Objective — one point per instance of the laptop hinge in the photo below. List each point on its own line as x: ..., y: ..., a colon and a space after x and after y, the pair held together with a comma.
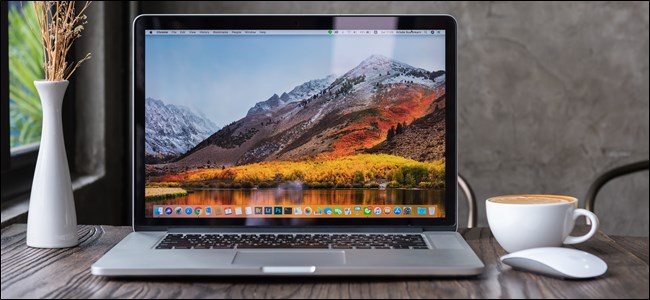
x: 297, y: 230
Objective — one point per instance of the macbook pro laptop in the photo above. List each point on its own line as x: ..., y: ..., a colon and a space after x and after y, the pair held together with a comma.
x: 293, y: 145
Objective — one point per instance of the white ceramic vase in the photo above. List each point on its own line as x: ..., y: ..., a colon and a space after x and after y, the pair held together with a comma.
x: 52, y: 220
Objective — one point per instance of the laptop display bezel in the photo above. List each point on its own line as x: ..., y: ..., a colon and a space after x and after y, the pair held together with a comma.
x: 292, y: 22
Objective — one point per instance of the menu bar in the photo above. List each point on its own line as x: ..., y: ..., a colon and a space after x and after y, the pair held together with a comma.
x: 303, y: 211
x: 332, y: 32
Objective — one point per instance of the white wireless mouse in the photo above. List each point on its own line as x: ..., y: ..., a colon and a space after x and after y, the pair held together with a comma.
x: 558, y: 262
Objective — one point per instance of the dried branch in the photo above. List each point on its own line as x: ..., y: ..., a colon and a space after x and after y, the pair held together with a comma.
x: 59, y: 26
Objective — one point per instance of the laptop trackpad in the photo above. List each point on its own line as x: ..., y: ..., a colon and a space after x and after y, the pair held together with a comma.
x: 289, y: 258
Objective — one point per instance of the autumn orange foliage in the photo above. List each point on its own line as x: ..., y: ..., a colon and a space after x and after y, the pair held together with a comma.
x: 400, y: 105
x: 358, y: 168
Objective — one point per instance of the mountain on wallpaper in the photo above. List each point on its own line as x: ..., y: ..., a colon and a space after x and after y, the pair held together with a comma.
x: 172, y: 130
x: 379, y: 106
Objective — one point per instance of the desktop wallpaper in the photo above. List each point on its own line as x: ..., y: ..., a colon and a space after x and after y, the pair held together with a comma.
x: 242, y: 123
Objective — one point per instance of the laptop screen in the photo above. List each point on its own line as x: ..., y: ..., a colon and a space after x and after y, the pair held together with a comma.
x: 295, y: 123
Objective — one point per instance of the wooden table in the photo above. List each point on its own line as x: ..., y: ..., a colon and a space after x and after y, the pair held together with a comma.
x: 65, y: 273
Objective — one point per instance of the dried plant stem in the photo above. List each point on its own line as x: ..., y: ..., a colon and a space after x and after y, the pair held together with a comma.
x: 59, y: 26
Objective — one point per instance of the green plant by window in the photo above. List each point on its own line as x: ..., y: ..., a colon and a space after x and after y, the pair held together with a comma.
x: 25, y: 66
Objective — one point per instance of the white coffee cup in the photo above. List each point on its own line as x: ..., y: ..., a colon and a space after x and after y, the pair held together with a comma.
x: 521, y: 222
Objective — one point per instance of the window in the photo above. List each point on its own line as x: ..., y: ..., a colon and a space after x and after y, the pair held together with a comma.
x: 25, y: 65
x: 22, y: 57
x: 4, y: 94
x: 99, y: 169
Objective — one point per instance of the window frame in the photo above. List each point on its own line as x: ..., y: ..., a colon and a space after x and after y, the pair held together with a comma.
x: 18, y: 167
x: 4, y: 87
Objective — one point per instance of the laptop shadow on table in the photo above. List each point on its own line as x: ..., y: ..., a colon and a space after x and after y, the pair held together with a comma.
x: 277, y: 280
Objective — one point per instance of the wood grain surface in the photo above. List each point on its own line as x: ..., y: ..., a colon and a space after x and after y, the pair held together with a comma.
x: 635, y: 244
x: 65, y: 273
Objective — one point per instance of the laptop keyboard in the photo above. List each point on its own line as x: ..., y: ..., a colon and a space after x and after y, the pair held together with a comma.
x: 296, y: 241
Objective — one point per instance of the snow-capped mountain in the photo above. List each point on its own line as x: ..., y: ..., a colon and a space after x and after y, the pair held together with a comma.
x: 376, y: 65
x: 351, y: 114
x: 380, y: 67
x: 171, y: 130
x: 301, y: 92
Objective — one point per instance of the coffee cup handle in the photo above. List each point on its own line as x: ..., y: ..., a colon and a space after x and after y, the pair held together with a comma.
x: 594, y: 226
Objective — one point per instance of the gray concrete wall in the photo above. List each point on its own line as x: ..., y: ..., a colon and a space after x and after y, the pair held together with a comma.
x: 550, y: 94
